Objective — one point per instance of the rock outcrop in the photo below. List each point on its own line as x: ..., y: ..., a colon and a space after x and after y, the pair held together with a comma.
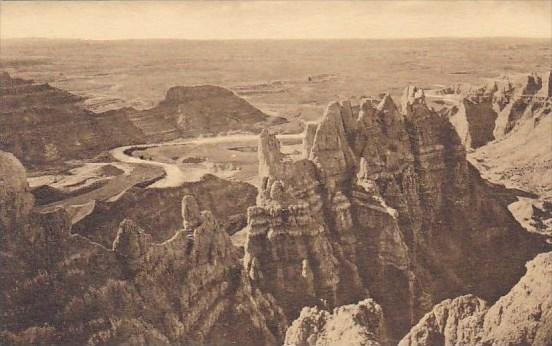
x: 355, y: 324
x: 508, y: 122
x: 386, y: 208
x: 493, y: 111
x: 521, y: 317
x: 63, y: 289
x: 16, y: 201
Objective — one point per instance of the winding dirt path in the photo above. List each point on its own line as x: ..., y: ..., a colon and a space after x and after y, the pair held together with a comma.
x: 174, y: 175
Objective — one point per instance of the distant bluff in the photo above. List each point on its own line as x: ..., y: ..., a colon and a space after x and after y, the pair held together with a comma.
x: 44, y: 126
x: 188, y: 111
x: 495, y: 110
x: 209, y: 109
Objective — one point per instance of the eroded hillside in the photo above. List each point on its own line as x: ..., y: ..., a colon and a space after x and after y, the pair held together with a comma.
x: 383, y: 209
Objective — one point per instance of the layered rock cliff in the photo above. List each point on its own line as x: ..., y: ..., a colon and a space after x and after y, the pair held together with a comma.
x: 200, y: 110
x: 494, y: 110
x: 521, y: 317
x: 509, y: 122
x: 63, y: 289
x: 44, y: 126
x: 386, y: 206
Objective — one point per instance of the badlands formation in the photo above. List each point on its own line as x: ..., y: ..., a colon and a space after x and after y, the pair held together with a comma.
x: 382, y: 233
x: 53, y: 126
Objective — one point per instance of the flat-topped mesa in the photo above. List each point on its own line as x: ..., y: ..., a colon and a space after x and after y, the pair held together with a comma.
x: 411, y: 95
x: 330, y: 150
x: 191, y: 214
x: 183, y: 94
x: 490, y: 112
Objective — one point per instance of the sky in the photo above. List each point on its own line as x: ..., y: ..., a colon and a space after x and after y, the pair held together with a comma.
x: 109, y: 20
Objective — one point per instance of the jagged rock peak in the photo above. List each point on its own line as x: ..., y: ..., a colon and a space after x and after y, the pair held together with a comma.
x: 354, y: 324
x: 452, y: 322
x: 191, y: 214
x: 532, y: 84
x: 546, y: 90
x: 387, y: 105
x: 412, y: 95
x: 130, y: 238
x: 308, y: 139
x: 349, y: 122
x: 270, y: 156
x: 366, y: 115
x: 331, y: 151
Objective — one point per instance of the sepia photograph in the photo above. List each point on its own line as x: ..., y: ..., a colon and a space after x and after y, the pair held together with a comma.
x: 276, y: 173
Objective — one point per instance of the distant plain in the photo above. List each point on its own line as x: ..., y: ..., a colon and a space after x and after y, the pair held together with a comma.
x: 292, y: 78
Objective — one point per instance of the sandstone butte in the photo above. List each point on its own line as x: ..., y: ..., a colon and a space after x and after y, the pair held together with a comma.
x: 384, y: 209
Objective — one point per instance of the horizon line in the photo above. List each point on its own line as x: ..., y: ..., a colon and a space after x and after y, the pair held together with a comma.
x: 273, y: 39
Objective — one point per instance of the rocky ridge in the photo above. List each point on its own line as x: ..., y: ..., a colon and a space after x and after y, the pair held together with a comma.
x: 386, y: 206
x: 494, y: 110
x: 508, y: 122
x: 44, y: 126
x: 61, y: 288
